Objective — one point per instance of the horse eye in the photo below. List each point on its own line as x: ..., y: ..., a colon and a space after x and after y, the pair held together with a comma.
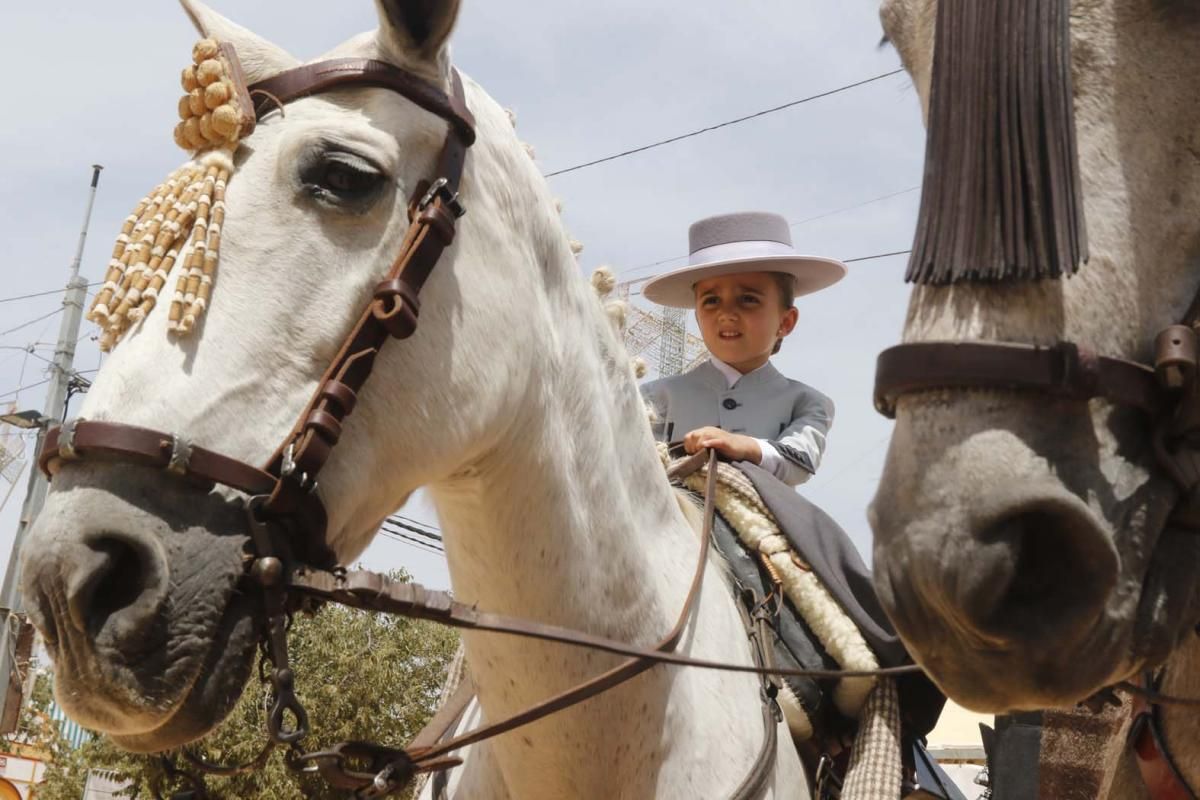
x: 341, y: 177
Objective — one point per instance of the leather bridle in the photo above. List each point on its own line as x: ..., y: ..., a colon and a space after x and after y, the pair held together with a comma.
x: 288, y: 479
x: 1167, y: 392
x: 291, y: 562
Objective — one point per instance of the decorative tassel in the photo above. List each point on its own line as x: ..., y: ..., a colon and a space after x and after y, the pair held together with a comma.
x: 188, y: 209
x: 1001, y: 197
x: 603, y: 281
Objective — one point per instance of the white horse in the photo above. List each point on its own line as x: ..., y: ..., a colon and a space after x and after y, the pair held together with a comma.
x: 1021, y: 542
x: 514, y: 403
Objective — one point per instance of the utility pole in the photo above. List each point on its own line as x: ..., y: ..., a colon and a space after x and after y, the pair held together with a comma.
x: 61, y: 373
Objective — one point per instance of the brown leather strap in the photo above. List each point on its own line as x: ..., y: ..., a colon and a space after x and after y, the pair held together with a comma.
x: 1064, y: 370
x: 446, y: 717
x: 371, y: 591
x: 339, y: 73
x: 116, y: 441
x: 754, y: 785
x: 617, y: 675
x: 392, y: 313
x: 80, y: 440
x: 376, y: 592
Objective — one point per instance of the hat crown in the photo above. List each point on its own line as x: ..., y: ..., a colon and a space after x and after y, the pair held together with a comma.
x: 746, y: 226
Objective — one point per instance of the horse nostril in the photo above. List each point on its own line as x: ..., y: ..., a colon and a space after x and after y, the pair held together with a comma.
x: 115, y: 587
x: 1042, y: 573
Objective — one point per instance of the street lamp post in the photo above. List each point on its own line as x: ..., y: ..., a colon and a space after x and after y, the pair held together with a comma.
x: 61, y: 374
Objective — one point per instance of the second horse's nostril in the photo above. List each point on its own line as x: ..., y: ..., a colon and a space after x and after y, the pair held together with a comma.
x: 1044, y: 570
x: 113, y: 587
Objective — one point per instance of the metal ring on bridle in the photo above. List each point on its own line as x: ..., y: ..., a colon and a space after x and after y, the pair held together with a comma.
x: 181, y: 456
x: 66, y: 440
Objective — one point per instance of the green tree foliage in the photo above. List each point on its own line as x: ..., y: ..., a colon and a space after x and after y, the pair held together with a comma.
x: 360, y: 676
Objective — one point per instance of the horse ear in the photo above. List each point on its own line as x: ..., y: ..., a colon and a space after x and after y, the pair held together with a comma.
x: 260, y: 59
x: 417, y: 26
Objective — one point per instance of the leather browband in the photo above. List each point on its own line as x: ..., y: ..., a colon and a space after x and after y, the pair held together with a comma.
x: 1064, y: 370
x: 335, y: 73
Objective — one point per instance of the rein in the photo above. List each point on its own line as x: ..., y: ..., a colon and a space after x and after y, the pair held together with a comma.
x: 291, y: 561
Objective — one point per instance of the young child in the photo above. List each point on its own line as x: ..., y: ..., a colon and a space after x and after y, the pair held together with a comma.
x: 742, y: 279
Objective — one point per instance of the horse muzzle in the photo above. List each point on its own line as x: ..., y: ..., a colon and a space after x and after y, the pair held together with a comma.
x: 989, y: 572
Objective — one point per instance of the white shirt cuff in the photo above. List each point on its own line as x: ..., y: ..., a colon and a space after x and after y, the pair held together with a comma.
x: 780, y: 467
x: 771, y: 460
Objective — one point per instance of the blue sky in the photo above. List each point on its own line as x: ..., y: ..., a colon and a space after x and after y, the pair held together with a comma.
x: 97, y: 83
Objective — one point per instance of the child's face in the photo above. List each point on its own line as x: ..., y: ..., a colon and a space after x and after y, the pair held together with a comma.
x: 741, y: 317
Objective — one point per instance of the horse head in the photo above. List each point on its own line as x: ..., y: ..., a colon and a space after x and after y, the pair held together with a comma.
x: 1023, y: 542
x: 135, y: 577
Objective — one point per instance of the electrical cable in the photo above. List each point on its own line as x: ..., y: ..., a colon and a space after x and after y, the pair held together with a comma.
x: 31, y: 322
x: 725, y: 124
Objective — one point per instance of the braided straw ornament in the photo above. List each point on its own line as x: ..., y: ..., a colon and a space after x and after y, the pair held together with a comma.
x: 187, y: 209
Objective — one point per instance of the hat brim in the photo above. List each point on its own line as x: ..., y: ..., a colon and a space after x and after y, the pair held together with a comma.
x: 812, y: 274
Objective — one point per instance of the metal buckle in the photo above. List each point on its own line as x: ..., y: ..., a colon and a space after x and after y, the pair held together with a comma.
x: 66, y: 440
x: 440, y: 188
x: 827, y: 785
x: 288, y: 469
x: 181, y: 456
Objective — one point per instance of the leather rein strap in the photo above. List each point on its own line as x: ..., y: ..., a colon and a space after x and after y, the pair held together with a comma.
x: 429, y: 752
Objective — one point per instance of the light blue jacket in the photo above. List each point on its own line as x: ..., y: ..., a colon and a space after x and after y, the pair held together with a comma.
x: 791, y: 417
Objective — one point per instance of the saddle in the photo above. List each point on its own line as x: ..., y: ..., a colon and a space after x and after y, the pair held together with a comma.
x: 810, y: 629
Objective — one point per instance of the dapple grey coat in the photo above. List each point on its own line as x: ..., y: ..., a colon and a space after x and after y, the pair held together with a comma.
x: 792, y: 416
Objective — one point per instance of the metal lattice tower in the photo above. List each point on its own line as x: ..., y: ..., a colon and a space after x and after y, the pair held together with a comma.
x: 663, y: 335
x: 672, y: 341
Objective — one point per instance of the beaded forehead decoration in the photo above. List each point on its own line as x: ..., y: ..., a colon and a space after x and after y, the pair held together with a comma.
x: 187, y: 209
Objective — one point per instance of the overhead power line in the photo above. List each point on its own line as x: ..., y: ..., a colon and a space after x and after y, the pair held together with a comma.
x: 432, y: 536
x: 32, y: 322
x: 413, y: 541
x: 24, y: 388
x: 877, y: 255
x: 639, y: 281
x: 854, y: 207
x: 417, y: 522
x: 41, y: 294
x: 725, y: 124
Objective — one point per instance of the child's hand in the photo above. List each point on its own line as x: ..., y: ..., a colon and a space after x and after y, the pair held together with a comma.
x: 733, y: 446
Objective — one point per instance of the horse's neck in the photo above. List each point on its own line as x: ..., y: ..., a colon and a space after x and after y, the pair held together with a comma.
x: 572, y: 522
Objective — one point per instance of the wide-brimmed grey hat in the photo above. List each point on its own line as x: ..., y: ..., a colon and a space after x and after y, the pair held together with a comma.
x: 751, y: 241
